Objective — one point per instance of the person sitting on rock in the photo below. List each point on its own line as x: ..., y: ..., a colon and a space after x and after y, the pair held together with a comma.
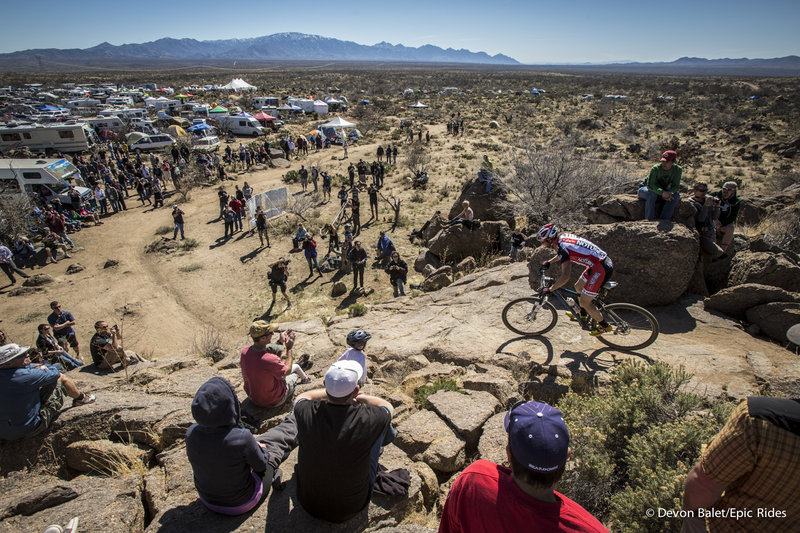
x: 52, y: 351
x: 706, y: 218
x: 465, y: 217
x: 299, y: 237
x: 340, y: 433
x: 385, y: 247
x: 106, y: 349
x: 31, y: 395
x: 729, y: 205
x: 663, y: 181
x: 233, y: 470
x: 486, y: 173
x: 357, y: 340
x: 53, y: 243
x: 268, y: 380
x: 490, y: 497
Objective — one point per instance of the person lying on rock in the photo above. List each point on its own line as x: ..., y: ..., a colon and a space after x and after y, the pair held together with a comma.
x: 233, y: 470
x: 31, y: 395
x: 488, y: 497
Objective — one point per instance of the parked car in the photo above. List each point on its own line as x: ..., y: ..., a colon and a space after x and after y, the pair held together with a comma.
x: 152, y: 142
x: 206, y: 144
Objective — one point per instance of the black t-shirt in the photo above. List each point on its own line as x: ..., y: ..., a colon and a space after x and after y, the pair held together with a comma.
x: 97, y: 346
x: 333, y: 462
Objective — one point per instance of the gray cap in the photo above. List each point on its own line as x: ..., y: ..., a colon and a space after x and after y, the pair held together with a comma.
x: 12, y: 351
x: 793, y: 334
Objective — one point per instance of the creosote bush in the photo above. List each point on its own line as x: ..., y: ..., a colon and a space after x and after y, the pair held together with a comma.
x: 634, y: 443
x: 357, y: 309
x: 422, y: 393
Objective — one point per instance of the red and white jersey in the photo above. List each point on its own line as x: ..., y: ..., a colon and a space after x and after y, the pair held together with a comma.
x: 579, y: 250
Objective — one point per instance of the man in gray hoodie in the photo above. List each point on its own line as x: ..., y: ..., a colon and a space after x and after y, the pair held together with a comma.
x: 233, y: 469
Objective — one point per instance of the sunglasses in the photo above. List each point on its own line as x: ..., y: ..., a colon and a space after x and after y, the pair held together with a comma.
x: 728, y: 188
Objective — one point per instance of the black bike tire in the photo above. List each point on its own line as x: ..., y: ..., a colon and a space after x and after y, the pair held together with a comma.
x: 608, y: 337
x: 546, y: 307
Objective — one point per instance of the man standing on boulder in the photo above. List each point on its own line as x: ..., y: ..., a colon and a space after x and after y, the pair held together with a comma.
x: 489, y: 498
x: 340, y: 433
x: 663, y: 181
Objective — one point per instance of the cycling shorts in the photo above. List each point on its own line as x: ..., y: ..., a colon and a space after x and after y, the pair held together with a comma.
x: 594, y: 277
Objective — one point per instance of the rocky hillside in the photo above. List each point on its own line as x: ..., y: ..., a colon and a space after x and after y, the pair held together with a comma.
x: 120, y: 464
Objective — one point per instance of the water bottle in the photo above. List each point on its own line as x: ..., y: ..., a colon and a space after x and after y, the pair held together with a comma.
x: 575, y: 307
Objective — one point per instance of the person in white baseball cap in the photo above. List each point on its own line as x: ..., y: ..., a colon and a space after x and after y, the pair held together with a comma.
x: 31, y: 394
x: 340, y: 433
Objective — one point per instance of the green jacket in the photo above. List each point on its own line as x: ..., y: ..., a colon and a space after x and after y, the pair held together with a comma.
x: 660, y: 180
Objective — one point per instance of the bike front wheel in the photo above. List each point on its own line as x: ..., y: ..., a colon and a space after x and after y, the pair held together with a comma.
x: 529, y: 316
x: 634, y: 327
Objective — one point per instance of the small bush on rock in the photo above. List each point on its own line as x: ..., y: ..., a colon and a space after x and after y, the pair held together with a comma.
x: 634, y: 443
x: 422, y: 393
x: 357, y: 309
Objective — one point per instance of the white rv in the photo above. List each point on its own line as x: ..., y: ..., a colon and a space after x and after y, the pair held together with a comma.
x: 47, y: 178
x: 265, y: 101
x: 64, y: 137
x: 240, y: 125
x: 122, y: 101
x: 102, y: 123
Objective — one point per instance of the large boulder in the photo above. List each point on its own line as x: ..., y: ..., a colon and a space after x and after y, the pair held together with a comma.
x: 424, y: 436
x: 735, y: 301
x: 424, y: 258
x: 438, y: 279
x: 431, y: 227
x: 774, y: 319
x: 492, y: 206
x: 104, y: 456
x: 457, y: 242
x: 492, y: 445
x: 765, y: 268
x: 653, y: 261
x: 628, y: 208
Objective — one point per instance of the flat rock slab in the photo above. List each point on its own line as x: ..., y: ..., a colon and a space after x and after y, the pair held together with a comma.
x: 465, y: 412
x: 426, y: 437
x: 492, y: 444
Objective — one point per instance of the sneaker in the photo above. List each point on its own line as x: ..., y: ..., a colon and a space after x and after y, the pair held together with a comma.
x: 573, y: 316
x: 303, y: 361
x: 83, y: 400
x: 305, y: 380
x: 599, y: 330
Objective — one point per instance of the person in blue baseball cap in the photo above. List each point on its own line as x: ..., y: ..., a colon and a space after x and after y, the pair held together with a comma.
x: 488, y: 497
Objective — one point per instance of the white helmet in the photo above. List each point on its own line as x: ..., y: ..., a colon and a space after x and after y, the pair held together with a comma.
x: 548, y: 231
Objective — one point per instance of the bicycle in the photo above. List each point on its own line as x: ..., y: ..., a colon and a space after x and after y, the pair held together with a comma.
x: 634, y: 327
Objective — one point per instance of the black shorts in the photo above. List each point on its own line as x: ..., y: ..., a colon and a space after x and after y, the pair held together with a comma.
x: 71, y: 339
x: 275, y: 284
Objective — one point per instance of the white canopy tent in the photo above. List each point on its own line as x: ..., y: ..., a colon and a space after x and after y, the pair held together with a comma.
x: 419, y: 105
x: 238, y: 84
x: 338, y: 126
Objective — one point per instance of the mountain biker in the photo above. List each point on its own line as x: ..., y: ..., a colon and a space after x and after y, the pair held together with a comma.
x: 573, y: 249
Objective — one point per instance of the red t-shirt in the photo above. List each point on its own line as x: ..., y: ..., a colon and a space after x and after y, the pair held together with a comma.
x: 485, y: 499
x: 264, y: 376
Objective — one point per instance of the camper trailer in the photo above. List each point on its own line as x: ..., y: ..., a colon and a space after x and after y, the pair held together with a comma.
x: 102, y: 123
x: 130, y: 114
x: 240, y: 125
x: 121, y: 101
x: 46, y: 178
x: 265, y: 101
x: 65, y: 137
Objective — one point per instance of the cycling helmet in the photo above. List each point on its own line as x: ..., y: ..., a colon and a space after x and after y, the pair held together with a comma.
x: 357, y: 337
x: 548, y: 231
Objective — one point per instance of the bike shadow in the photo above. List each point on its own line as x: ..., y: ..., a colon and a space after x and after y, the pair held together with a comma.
x: 548, y: 346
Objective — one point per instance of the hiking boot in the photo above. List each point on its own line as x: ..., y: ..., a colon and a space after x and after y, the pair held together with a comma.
x: 599, y: 330
x: 304, y: 362
x: 83, y: 399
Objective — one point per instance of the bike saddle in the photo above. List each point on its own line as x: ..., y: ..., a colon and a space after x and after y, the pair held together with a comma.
x: 610, y: 284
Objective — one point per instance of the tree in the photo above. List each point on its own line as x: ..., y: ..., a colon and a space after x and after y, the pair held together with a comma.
x: 554, y: 183
x: 418, y: 158
x: 394, y: 202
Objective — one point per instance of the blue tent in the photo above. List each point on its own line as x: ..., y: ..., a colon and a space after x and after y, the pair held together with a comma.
x: 244, y: 114
x: 48, y: 108
x: 199, y: 127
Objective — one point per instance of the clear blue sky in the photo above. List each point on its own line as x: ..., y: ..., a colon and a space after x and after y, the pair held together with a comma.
x: 528, y: 30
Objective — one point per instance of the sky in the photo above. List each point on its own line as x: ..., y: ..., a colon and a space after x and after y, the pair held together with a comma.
x: 530, y: 31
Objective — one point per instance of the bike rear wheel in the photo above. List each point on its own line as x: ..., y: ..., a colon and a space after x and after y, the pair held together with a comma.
x: 634, y: 327
x: 529, y: 316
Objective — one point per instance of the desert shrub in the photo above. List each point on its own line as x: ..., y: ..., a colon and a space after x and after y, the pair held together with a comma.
x: 357, y: 309
x: 163, y: 230
x: 417, y: 197
x: 29, y: 317
x: 783, y: 177
x: 422, y: 393
x: 783, y: 229
x: 189, y: 244
x: 634, y: 443
x: 554, y: 183
x: 191, y: 267
x: 290, y: 177
x: 208, y: 343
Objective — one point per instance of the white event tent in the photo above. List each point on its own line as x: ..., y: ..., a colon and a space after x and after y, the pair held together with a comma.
x: 238, y: 84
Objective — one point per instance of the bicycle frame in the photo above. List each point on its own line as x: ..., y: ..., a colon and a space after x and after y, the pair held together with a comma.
x: 562, y: 293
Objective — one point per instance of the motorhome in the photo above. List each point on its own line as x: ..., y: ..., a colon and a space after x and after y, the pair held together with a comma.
x: 125, y: 101
x: 130, y: 114
x: 111, y: 123
x: 269, y: 101
x: 240, y: 125
x: 63, y: 137
x: 45, y: 178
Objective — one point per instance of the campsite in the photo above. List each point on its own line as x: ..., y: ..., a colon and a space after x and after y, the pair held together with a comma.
x: 186, y: 305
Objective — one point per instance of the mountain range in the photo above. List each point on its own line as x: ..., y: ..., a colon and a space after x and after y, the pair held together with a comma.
x: 276, y: 47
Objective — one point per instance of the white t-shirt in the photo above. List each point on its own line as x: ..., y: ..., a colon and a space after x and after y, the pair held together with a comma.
x: 355, y: 355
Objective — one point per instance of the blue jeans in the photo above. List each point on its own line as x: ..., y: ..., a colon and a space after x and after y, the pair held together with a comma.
x: 68, y: 361
x: 398, y: 288
x: 650, y: 199
x: 178, y: 227
x: 312, y: 262
x: 375, y: 452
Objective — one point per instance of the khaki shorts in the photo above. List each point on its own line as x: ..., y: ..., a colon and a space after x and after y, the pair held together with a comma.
x: 52, y: 400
